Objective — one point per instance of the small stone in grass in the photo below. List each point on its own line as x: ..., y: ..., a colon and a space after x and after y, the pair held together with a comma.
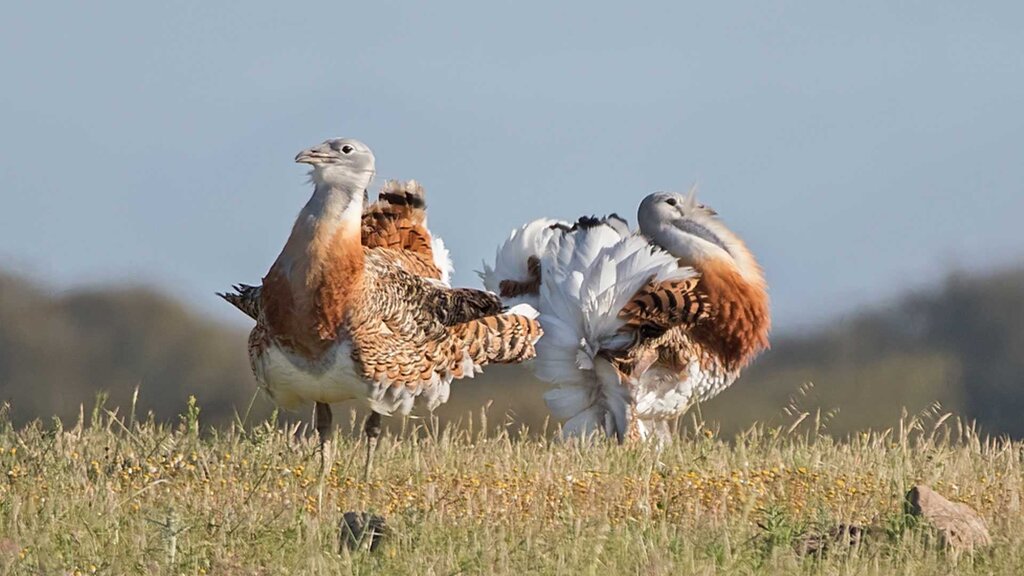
x: 362, y: 530
x: 841, y: 536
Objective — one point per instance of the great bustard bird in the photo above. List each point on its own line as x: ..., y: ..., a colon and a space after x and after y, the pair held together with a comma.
x: 339, y: 319
x: 638, y: 326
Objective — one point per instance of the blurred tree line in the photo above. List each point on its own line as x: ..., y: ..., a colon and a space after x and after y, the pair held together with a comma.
x: 960, y: 344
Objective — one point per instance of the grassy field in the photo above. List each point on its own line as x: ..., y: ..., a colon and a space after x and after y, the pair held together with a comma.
x: 112, y: 495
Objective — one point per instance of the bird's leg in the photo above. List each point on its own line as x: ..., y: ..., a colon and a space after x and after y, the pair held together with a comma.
x: 372, y: 432
x: 322, y: 422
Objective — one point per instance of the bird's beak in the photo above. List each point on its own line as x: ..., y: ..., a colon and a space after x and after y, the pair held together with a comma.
x: 315, y: 155
x: 304, y: 157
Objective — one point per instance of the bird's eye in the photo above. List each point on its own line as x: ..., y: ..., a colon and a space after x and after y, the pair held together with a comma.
x: 346, y: 149
x: 671, y: 201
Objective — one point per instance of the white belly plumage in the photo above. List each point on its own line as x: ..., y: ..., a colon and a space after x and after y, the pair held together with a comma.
x: 293, y: 381
x: 665, y: 394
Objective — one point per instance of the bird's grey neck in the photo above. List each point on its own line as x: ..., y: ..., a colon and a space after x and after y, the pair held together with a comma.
x: 702, y: 232
x: 332, y: 204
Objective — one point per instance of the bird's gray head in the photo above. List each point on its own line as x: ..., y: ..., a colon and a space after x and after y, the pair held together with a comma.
x: 340, y: 163
x: 681, y: 211
x: 691, y: 231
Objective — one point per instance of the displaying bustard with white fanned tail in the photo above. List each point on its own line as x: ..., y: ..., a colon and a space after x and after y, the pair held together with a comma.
x: 638, y: 325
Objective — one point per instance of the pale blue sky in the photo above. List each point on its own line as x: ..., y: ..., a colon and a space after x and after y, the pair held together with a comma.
x: 860, y: 149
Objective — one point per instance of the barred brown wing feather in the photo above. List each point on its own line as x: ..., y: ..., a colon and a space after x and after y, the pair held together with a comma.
x: 458, y: 305
x: 404, y: 361
x: 397, y: 221
x: 501, y: 339
x: 394, y: 230
x: 663, y: 305
x: 407, y: 197
x: 399, y: 337
x: 415, y: 263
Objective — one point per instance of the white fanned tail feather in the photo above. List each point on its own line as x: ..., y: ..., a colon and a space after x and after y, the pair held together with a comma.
x: 588, y: 275
x: 510, y: 260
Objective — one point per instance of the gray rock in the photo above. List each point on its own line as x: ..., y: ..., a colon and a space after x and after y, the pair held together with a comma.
x: 362, y: 530
x: 960, y: 527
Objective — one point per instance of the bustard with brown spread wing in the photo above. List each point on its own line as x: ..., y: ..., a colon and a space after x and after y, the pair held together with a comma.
x: 354, y: 307
x: 638, y: 325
